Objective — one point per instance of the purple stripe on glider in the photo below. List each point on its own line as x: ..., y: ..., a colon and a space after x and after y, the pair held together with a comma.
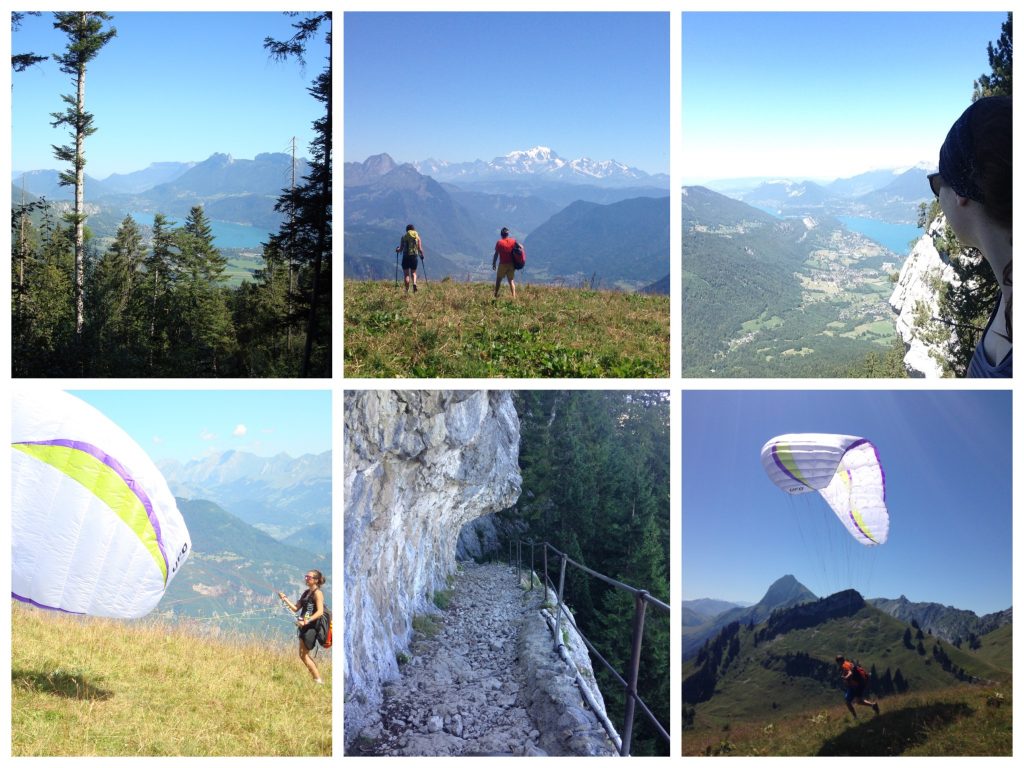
x: 122, y: 472
x: 878, y: 459
x: 783, y: 467
x: 46, y: 607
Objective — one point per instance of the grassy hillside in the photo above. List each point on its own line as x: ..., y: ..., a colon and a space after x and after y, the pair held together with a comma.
x: 961, y: 720
x: 84, y: 686
x: 458, y: 330
x: 778, y: 684
x: 997, y: 647
x: 770, y: 675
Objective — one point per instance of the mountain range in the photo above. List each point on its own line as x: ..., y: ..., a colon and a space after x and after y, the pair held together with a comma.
x: 557, y: 219
x: 625, y: 241
x: 230, y: 580
x: 783, y: 593
x: 234, y: 190
x: 540, y: 164
x: 954, y: 625
x: 886, y: 195
x: 280, y: 495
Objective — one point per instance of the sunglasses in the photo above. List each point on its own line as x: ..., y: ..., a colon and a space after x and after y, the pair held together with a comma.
x: 935, y: 181
x: 309, y: 576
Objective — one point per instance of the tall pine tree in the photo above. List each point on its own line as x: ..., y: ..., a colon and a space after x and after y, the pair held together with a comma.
x: 305, y: 237
x: 86, y: 36
x: 111, y: 326
x: 202, y: 340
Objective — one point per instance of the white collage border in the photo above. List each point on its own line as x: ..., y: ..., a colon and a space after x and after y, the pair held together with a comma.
x: 676, y: 384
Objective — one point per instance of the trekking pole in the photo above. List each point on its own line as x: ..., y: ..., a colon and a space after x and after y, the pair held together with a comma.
x: 396, y: 269
x: 423, y: 263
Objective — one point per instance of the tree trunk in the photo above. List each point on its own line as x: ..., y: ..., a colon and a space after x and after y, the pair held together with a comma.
x: 80, y: 203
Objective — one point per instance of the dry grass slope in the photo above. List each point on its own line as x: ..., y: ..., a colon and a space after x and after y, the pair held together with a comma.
x: 960, y: 720
x: 84, y: 686
x: 457, y: 330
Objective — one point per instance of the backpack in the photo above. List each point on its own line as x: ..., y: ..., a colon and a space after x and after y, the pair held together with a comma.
x: 325, y: 629
x: 518, y: 255
x: 860, y: 673
x: 411, y: 243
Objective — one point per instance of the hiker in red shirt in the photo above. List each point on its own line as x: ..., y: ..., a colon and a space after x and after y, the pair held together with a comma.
x: 502, y: 262
x: 855, y: 678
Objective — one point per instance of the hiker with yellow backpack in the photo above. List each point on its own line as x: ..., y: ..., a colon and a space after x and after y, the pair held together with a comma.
x: 411, y: 248
x: 312, y: 616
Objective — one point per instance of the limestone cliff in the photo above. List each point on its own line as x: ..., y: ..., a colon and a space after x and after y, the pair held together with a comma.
x: 916, y: 301
x: 418, y: 465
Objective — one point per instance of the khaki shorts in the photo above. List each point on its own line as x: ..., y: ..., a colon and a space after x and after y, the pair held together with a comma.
x: 506, y: 270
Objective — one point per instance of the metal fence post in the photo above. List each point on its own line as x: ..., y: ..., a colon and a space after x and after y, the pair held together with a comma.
x: 634, y: 670
x: 544, y: 552
x: 532, y: 566
x: 519, y: 559
x: 561, y: 588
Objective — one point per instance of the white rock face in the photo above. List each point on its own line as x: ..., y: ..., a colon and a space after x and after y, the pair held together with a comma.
x: 923, y: 270
x: 418, y: 465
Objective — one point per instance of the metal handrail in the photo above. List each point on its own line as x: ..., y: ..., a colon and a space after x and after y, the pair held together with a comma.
x: 642, y: 598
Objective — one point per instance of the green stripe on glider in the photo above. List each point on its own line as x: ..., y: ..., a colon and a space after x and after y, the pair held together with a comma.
x: 107, y: 485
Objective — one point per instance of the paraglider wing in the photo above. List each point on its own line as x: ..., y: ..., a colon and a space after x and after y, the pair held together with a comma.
x: 857, y: 494
x: 804, y: 462
x: 844, y: 469
x: 94, y: 527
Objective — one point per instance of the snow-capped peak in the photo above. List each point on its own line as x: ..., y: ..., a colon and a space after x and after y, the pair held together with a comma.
x: 536, y: 160
x: 540, y: 163
x: 921, y: 165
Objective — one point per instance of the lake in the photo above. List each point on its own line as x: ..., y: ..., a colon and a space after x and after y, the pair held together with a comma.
x: 898, y: 238
x: 226, y: 234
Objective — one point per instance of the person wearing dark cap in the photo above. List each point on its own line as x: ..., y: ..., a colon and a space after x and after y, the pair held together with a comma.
x: 503, y: 263
x: 974, y: 186
x: 411, y: 248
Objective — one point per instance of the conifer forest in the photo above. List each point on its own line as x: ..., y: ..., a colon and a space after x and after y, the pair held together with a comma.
x: 156, y: 302
x: 595, y: 468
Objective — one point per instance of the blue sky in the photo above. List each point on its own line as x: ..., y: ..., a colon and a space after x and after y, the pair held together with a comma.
x: 188, y: 424
x: 169, y: 87
x: 824, y: 95
x: 468, y: 86
x: 947, y: 462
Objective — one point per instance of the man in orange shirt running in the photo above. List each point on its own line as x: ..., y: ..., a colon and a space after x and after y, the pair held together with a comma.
x: 502, y: 262
x: 856, y: 685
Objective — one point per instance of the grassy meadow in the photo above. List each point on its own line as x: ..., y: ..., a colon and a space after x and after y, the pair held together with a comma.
x: 100, y: 687
x: 458, y: 330
x: 959, y: 720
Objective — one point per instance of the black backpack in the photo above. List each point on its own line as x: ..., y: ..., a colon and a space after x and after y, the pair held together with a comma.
x: 518, y: 255
x: 325, y: 629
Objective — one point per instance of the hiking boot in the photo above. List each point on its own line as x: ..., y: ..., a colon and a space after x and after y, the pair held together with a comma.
x: 875, y: 707
x: 414, y: 288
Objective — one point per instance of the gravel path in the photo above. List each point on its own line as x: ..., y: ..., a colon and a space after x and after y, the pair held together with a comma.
x: 460, y: 693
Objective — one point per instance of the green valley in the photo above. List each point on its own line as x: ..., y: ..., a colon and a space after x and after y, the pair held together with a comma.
x: 769, y: 297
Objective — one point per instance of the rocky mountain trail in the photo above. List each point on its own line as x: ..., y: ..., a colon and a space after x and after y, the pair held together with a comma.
x: 481, y: 678
x: 460, y: 692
